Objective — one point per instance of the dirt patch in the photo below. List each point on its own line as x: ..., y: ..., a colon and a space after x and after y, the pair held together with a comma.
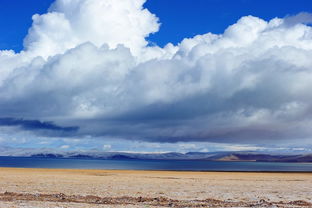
x: 157, y: 201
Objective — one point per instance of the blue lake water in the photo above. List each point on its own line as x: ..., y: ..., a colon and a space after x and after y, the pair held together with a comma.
x: 187, y: 165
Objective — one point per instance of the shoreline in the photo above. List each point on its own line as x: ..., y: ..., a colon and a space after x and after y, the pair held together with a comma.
x: 177, y: 171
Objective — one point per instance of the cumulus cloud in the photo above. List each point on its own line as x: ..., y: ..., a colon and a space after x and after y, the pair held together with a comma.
x: 69, y: 23
x: 302, y: 17
x: 86, y: 63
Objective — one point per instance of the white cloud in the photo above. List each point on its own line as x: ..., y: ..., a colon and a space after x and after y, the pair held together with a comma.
x: 250, y: 85
x: 107, y: 147
x: 65, y: 147
x: 186, y: 146
x: 72, y: 22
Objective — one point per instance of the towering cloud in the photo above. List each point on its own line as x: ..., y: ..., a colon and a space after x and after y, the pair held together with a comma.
x: 86, y: 64
x: 69, y: 23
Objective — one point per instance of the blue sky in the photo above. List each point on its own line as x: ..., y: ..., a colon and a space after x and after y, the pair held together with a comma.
x: 188, y: 18
x: 180, y: 19
x: 98, y: 74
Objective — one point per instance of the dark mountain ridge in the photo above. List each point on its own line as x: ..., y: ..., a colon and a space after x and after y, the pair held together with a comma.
x: 209, y: 156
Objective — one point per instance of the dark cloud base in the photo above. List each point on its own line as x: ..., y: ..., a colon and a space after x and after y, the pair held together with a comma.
x: 35, y: 125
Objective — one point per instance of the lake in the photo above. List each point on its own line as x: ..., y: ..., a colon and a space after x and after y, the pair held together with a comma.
x: 179, y: 165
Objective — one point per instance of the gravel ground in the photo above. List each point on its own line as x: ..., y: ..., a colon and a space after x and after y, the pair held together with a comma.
x: 71, y: 188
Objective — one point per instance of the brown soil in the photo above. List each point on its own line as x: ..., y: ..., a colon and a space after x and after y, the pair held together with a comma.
x: 157, y: 201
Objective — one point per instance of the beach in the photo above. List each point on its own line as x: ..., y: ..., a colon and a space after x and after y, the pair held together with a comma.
x: 125, y: 188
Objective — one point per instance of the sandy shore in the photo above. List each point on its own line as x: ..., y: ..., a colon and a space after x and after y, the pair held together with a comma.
x: 105, y: 188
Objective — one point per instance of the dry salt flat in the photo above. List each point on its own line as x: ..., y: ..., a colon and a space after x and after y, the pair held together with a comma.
x: 122, y: 188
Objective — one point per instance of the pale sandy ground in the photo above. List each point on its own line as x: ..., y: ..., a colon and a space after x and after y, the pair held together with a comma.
x: 251, y: 189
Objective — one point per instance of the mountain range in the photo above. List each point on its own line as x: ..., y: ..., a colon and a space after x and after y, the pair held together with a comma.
x: 209, y: 156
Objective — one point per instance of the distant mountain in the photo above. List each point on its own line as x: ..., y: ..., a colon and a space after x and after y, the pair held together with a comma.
x: 47, y: 155
x: 266, y: 157
x: 216, y: 156
x: 209, y: 156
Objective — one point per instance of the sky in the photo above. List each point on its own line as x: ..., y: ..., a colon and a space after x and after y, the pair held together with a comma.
x: 179, y: 19
x: 156, y: 75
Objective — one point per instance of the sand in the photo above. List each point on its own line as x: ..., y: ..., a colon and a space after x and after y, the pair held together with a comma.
x: 106, y: 188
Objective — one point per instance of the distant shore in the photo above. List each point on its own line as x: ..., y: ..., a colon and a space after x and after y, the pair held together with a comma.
x: 159, y: 171
x: 154, y: 164
x: 120, y: 188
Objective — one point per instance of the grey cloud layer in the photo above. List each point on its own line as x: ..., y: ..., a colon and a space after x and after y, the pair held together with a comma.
x: 251, y: 84
x: 35, y: 125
